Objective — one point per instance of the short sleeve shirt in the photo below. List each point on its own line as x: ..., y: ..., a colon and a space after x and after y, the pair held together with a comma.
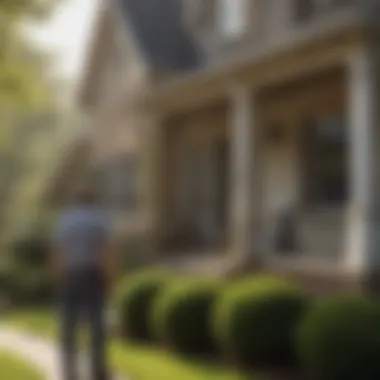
x: 81, y: 234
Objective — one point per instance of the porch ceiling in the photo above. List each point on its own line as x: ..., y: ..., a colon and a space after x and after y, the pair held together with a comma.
x: 268, y: 65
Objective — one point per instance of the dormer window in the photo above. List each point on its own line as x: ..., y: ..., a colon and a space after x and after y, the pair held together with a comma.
x: 232, y: 17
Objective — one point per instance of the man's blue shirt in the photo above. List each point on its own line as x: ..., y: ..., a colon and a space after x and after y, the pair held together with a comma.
x: 81, y: 234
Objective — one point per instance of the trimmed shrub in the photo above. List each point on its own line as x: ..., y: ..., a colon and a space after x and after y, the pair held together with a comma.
x: 340, y: 340
x: 4, y: 278
x: 30, y: 280
x: 133, y: 299
x: 181, y: 316
x: 31, y: 287
x: 255, y: 321
x: 4, y: 288
x: 31, y: 251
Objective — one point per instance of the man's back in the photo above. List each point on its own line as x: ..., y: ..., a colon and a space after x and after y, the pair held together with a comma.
x: 81, y: 236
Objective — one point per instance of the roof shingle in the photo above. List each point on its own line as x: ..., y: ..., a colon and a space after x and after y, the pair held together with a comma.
x: 160, y: 33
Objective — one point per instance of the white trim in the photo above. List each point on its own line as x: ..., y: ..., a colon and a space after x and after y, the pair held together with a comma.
x: 242, y: 135
x: 362, y: 108
x: 231, y: 17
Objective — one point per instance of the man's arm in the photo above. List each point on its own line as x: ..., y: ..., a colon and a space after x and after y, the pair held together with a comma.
x: 108, y: 254
x: 109, y: 263
x: 57, y: 263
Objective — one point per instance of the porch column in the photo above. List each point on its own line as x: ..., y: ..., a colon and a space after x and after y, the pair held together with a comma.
x: 363, y: 255
x: 242, y: 128
x: 151, y: 176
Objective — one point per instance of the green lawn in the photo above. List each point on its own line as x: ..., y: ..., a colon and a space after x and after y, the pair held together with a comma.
x: 145, y: 363
x: 13, y: 368
x: 141, y: 363
x: 40, y: 322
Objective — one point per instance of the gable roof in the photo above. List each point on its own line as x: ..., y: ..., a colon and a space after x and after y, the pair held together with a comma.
x: 161, y: 35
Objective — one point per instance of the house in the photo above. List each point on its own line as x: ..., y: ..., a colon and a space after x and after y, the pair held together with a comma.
x: 68, y: 161
x: 254, y: 127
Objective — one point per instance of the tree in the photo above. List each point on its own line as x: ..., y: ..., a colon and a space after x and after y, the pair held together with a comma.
x: 21, y: 78
x: 24, y: 88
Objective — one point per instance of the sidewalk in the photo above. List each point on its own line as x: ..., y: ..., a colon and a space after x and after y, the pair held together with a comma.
x: 42, y: 354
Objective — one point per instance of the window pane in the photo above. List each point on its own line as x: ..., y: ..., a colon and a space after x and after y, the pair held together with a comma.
x: 326, y: 161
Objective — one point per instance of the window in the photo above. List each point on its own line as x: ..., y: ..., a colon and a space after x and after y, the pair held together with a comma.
x: 109, y: 182
x: 129, y: 196
x: 119, y: 184
x: 232, y: 17
x: 326, y: 162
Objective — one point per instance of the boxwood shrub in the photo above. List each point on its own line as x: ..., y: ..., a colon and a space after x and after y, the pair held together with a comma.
x: 340, y: 340
x: 133, y: 300
x: 30, y: 280
x: 31, y: 251
x: 31, y: 287
x: 255, y: 321
x: 181, y: 316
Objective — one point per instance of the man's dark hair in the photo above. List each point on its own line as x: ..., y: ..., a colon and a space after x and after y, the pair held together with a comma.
x: 85, y: 196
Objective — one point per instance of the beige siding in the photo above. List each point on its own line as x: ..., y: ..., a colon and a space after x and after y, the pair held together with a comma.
x: 188, y: 138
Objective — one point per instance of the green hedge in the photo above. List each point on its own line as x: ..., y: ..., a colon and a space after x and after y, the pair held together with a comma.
x: 30, y: 288
x: 31, y: 251
x: 340, y: 340
x: 4, y: 289
x: 4, y: 278
x: 181, y: 316
x: 133, y: 300
x: 255, y: 321
x: 30, y: 280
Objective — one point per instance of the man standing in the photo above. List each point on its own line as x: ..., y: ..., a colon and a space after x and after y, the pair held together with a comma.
x: 82, y: 262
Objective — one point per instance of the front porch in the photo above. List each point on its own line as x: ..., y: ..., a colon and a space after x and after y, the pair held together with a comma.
x: 298, y: 201
x: 281, y: 175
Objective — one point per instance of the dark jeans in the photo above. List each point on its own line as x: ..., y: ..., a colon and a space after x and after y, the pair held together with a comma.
x: 83, y: 294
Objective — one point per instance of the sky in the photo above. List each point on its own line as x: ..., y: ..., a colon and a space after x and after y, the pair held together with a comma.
x: 67, y: 34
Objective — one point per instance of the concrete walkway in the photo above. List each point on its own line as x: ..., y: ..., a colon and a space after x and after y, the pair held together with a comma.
x: 41, y: 353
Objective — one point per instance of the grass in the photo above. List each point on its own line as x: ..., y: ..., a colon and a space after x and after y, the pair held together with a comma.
x: 13, y: 368
x: 138, y: 362
x: 40, y: 322
x: 145, y: 363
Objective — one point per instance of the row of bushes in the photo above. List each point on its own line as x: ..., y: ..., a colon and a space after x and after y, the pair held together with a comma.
x: 263, y: 322
x: 27, y: 279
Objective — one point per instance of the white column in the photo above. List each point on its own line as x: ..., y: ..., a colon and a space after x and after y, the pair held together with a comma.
x: 242, y: 156
x: 363, y: 131
x: 207, y: 188
x: 151, y: 177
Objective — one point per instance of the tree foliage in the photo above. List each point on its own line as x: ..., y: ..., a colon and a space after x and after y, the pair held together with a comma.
x: 22, y: 81
x: 25, y: 90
